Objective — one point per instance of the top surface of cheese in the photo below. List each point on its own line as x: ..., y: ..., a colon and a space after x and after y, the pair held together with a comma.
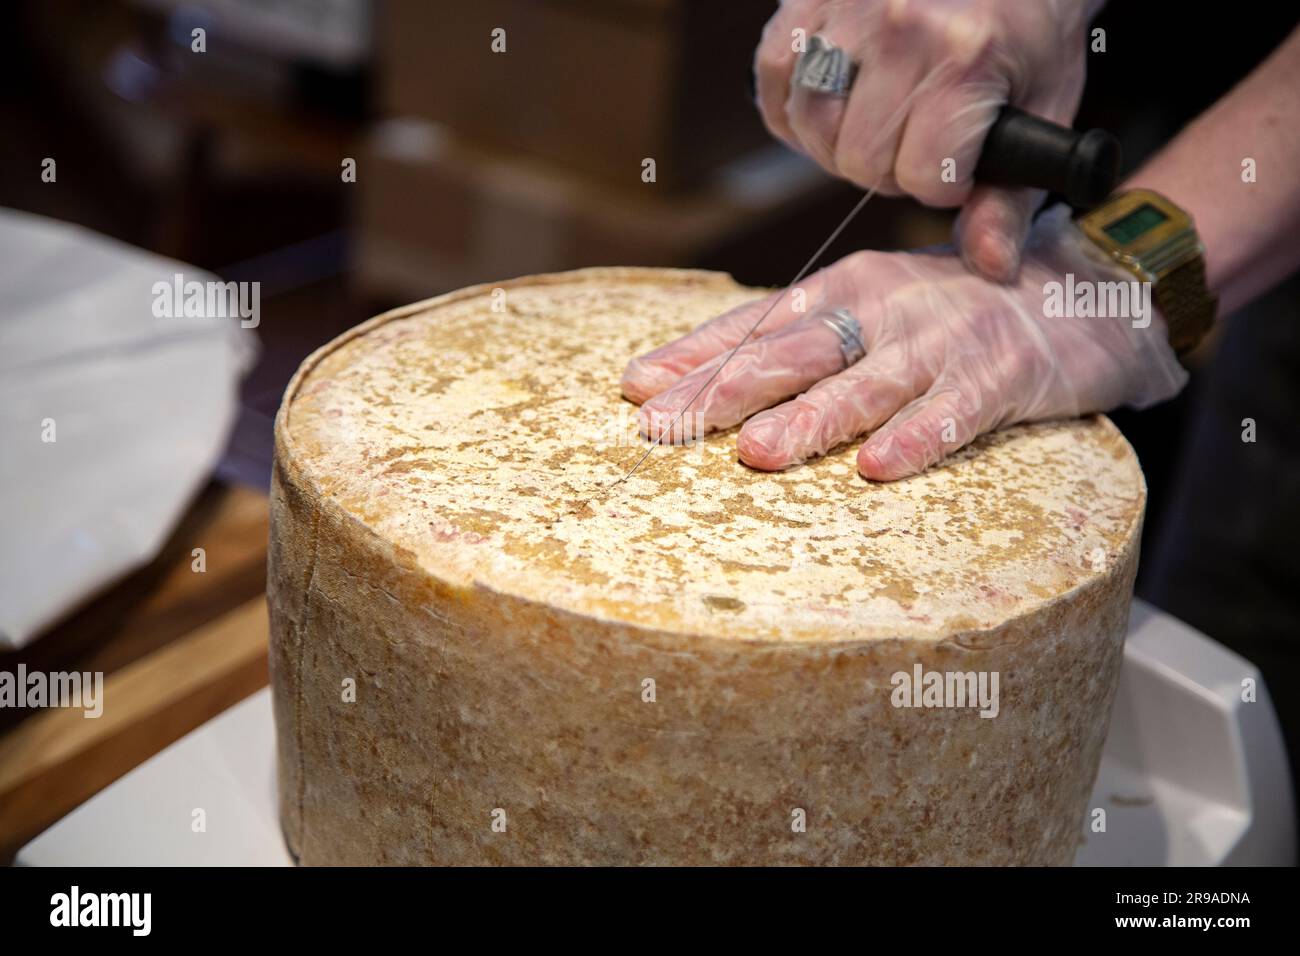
x: 466, y: 436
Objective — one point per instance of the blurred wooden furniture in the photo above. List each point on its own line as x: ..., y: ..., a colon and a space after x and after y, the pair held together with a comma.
x: 437, y: 211
x: 176, y: 647
x: 594, y: 86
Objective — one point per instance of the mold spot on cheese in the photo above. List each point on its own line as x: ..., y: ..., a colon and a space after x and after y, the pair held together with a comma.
x: 724, y: 603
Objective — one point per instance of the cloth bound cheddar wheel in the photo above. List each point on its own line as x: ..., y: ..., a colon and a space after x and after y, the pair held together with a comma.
x: 712, y: 665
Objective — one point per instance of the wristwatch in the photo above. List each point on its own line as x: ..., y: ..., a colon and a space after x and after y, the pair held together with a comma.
x: 1156, y: 241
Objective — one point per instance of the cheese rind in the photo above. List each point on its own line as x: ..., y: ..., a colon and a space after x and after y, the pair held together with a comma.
x: 425, y: 545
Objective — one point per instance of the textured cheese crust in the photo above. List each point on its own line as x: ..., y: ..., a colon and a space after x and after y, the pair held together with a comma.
x: 427, y: 543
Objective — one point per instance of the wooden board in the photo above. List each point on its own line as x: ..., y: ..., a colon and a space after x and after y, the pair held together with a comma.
x: 176, y: 647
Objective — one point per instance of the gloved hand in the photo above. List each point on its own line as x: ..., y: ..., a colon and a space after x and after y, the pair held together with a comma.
x: 932, y: 76
x: 949, y: 356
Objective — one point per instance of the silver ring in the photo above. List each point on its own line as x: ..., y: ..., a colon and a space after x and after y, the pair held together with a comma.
x: 843, y: 324
x: 824, y: 68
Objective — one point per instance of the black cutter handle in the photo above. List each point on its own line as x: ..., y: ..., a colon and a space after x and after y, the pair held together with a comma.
x: 1023, y: 150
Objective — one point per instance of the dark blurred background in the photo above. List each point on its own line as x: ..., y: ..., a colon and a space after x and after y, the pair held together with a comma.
x: 472, y: 166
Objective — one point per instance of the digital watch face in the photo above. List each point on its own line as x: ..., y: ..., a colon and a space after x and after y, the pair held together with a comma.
x: 1141, y: 220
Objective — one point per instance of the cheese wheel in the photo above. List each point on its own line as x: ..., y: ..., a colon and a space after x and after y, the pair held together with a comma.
x: 473, y: 663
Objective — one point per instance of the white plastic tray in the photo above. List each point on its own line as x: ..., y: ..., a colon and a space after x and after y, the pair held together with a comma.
x: 1192, y: 775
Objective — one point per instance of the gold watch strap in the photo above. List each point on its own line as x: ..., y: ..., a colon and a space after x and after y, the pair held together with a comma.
x: 1186, y: 304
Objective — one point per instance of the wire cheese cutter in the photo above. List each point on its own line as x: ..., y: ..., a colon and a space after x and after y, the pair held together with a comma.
x: 1020, y: 149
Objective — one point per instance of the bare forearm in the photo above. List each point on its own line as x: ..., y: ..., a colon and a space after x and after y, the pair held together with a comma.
x: 1251, y: 230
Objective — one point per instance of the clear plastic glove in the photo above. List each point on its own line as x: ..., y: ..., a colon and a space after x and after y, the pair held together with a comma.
x: 949, y: 356
x: 932, y: 76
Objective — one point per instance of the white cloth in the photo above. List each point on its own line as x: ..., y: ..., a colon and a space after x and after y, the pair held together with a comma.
x: 140, y: 407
